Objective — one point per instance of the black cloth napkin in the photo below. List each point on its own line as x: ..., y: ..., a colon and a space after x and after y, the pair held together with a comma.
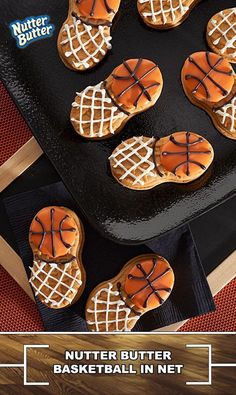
x: 103, y: 259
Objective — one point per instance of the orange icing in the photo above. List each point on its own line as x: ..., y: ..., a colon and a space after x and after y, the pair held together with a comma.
x: 46, y: 248
x: 130, y: 97
x: 134, y: 286
x: 169, y: 162
x: 215, y: 93
x: 101, y: 8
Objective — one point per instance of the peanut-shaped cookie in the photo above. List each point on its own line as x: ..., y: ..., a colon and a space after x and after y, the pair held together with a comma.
x: 56, y: 237
x: 142, y: 163
x: 209, y: 83
x: 85, y: 36
x: 101, y: 111
x: 143, y: 284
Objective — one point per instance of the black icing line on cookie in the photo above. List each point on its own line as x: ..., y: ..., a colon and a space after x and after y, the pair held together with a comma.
x: 91, y: 13
x: 149, y: 282
x: 187, y: 145
x: 137, y: 81
x: 52, y: 231
x: 124, y: 300
x: 112, y: 99
x: 206, y: 75
x: 154, y: 158
x: 86, y: 22
x: 215, y: 108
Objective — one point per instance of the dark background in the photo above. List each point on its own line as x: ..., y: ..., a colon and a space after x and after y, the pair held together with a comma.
x: 214, y: 232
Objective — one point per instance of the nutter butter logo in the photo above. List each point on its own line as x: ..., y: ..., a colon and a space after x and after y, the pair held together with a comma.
x: 31, y: 29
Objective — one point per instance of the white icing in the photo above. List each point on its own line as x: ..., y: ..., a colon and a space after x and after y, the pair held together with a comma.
x: 104, y: 113
x: 38, y: 269
x: 228, y: 112
x: 74, y: 36
x: 116, y: 306
x: 164, y: 8
x: 129, y: 151
x: 224, y: 27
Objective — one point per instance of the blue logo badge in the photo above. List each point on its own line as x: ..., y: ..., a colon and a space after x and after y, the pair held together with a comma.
x: 31, y: 29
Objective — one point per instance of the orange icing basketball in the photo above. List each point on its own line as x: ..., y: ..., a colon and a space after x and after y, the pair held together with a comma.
x: 149, y: 283
x: 207, y: 76
x: 186, y: 154
x: 135, y: 82
x: 53, y: 232
x: 98, y: 9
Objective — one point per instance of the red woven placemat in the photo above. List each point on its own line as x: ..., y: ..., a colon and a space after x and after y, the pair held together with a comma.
x: 18, y: 313
x: 223, y: 319
x: 14, y: 132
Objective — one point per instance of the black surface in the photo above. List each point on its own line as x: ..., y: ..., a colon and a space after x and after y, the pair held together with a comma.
x: 103, y: 259
x: 215, y: 234
x: 44, y: 89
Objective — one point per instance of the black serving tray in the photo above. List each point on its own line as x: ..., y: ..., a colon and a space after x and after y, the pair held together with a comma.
x: 43, y: 88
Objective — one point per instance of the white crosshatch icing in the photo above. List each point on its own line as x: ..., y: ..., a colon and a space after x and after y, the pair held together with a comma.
x: 164, y: 8
x: 140, y: 164
x: 66, y: 280
x: 228, y: 113
x: 115, y: 310
x: 102, y: 111
x: 225, y: 27
x: 80, y: 40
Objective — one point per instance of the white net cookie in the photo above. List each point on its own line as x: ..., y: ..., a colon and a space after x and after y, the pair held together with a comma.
x: 165, y: 10
x: 223, y: 27
x: 109, y: 312
x: 133, y: 158
x: 96, y: 114
x: 56, y: 284
x: 85, y: 44
x: 227, y: 115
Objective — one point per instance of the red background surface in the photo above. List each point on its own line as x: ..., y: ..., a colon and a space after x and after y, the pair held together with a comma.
x: 18, y: 313
x: 13, y: 129
x: 223, y: 319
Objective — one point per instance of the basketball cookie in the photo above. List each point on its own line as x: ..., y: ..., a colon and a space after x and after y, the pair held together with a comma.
x: 144, y: 162
x: 85, y: 36
x: 221, y: 34
x: 165, y: 14
x: 209, y: 83
x: 101, y: 111
x: 56, y: 238
x: 143, y: 284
